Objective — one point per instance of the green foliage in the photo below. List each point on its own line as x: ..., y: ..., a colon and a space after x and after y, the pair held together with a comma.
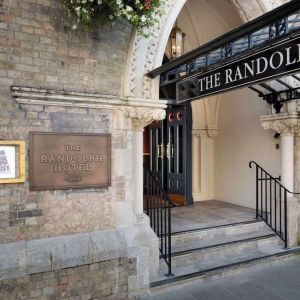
x: 142, y: 14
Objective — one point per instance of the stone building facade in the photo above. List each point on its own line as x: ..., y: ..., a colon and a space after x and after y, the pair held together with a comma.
x: 88, y: 243
x: 73, y: 244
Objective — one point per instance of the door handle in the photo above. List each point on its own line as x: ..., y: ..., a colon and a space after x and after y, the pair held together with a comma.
x: 160, y: 151
x: 170, y: 151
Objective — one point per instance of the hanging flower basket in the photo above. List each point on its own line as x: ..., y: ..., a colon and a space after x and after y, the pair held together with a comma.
x: 142, y: 14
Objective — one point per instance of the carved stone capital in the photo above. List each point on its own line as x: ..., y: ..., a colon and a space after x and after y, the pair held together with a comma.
x: 198, y: 133
x: 211, y: 131
x: 286, y: 123
x: 141, y: 117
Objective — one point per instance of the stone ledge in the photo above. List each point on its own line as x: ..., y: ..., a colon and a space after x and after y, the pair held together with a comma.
x: 55, y: 253
x: 48, y: 97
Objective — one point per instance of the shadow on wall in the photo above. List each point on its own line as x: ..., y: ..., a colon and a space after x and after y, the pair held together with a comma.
x: 241, y: 139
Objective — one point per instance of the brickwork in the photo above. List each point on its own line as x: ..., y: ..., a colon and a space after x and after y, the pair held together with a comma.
x: 87, y: 229
x: 104, y: 280
x: 26, y: 214
x: 39, y: 48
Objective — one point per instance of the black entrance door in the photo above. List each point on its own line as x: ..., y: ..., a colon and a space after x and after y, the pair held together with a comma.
x: 170, y: 149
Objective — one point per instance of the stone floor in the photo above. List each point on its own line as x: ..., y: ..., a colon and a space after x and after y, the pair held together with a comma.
x: 279, y: 280
x: 209, y: 213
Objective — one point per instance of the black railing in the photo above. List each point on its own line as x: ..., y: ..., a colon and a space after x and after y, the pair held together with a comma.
x: 157, y: 206
x: 271, y: 202
x: 281, y: 21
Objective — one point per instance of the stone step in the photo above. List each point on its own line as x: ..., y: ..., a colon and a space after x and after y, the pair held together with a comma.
x: 215, y: 235
x: 201, y: 256
x: 215, y: 252
x: 201, y: 252
x: 220, y: 240
x: 233, y: 264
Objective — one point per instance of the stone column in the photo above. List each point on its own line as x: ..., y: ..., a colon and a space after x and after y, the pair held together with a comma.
x: 141, y: 117
x: 287, y: 160
x: 203, y: 163
x: 137, y: 153
x: 287, y: 124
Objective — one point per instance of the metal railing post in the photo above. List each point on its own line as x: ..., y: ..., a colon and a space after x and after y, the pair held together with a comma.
x: 169, y: 242
x: 256, y: 192
x: 279, y: 214
x: 285, y: 220
x: 158, y: 208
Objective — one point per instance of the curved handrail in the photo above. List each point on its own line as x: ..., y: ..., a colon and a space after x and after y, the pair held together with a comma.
x: 161, y: 188
x: 253, y: 162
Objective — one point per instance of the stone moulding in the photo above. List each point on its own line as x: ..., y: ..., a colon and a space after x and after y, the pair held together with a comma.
x: 50, y: 254
x: 45, y: 97
x: 144, y: 116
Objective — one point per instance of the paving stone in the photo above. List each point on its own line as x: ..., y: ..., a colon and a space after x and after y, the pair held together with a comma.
x: 276, y: 281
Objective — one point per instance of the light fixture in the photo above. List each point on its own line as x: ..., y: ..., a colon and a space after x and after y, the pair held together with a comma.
x: 176, y: 41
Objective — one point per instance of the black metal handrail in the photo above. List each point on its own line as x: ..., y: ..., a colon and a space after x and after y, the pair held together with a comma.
x: 157, y: 206
x: 271, y: 202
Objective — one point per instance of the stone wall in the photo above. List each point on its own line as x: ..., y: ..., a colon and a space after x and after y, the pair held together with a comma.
x: 39, y: 48
x: 70, y: 81
x: 33, y: 214
x: 104, y: 280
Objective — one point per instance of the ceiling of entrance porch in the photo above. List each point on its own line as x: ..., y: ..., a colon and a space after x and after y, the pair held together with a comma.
x: 205, y: 20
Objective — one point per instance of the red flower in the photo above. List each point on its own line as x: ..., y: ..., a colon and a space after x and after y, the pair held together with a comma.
x: 148, y: 4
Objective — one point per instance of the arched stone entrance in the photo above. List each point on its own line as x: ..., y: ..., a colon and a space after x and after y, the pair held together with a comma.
x: 145, y: 55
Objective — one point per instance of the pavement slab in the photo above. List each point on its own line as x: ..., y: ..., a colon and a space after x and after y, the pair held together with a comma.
x: 279, y: 280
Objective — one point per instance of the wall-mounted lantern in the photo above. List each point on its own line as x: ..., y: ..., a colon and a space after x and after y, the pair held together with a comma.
x: 176, y: 41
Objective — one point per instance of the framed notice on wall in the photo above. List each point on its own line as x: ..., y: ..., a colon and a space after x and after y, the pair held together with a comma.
x: 12, y: 161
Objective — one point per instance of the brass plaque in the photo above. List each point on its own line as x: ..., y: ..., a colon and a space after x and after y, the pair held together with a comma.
x: 69, y: 161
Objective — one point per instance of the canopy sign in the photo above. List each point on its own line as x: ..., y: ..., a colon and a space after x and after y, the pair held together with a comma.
x: 280, y: 59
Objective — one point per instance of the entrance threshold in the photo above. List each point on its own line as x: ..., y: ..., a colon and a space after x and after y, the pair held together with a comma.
x: 210, y: 213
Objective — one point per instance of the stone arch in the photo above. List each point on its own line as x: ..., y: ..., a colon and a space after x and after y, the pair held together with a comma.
x: 145, y: 55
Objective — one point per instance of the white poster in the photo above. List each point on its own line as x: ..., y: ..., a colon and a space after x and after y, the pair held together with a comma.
x: 7, y: 162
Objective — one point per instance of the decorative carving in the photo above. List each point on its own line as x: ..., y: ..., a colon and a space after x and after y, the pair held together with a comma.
x: 149, y: 49
x: 141, y: 117
x: 198, y: 133
x: 135, y: 54
x: 210, y: 131
x: 286, y: 123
